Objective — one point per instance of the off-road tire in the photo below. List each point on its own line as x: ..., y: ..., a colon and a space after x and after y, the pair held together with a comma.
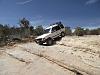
x: 49, y: 41
x: 62, y: 34
x: 40, y: 43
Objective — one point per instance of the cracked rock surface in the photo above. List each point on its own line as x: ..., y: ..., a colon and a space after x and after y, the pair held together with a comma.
x: 70, y: 56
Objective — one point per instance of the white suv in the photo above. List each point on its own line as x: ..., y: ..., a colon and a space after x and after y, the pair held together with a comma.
x: 54, y: 31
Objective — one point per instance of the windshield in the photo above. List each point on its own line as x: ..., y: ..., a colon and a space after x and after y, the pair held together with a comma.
x: 47, y: 30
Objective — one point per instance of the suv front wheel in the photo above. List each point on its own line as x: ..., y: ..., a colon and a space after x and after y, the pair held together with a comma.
x: 49, y: 41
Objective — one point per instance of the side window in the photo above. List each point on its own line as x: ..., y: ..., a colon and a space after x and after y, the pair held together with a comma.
x: 61, y: 26
x: 55, y: 28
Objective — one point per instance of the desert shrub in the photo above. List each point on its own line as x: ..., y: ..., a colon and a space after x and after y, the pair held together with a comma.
x: 87, y: 32
x: 38, y: 30
x: 68, y: 31
x: 79, y: 31
x: 94, y: 32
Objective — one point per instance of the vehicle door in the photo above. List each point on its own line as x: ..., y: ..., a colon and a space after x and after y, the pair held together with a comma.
x: 56, y: 31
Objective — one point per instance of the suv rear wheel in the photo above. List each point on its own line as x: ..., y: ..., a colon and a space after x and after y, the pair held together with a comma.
x: 49, y: 41
x: 62, y: 34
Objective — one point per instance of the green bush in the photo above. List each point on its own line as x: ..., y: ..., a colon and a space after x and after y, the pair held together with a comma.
x: 68, y: 31
x: 79, y: 31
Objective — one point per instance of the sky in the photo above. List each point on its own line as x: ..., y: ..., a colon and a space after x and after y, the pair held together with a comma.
x: 84, y: 13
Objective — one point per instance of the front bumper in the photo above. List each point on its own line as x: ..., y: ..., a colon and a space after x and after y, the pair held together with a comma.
x: 39, y: 40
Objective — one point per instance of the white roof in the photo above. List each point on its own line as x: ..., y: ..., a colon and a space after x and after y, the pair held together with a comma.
x: 51, y: 26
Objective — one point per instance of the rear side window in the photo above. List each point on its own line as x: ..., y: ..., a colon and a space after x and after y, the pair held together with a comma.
x: 61, y: 26
x: 56, y: 28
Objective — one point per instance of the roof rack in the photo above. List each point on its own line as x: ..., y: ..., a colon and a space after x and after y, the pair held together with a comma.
x: 55, y: 23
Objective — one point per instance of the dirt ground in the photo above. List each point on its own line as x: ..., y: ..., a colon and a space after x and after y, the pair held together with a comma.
x: 71, y: 56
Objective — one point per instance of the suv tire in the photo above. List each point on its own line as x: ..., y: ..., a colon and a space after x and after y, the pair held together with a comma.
x: 40, y: 43
x: 62, y: 34
x: 49, y: 41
